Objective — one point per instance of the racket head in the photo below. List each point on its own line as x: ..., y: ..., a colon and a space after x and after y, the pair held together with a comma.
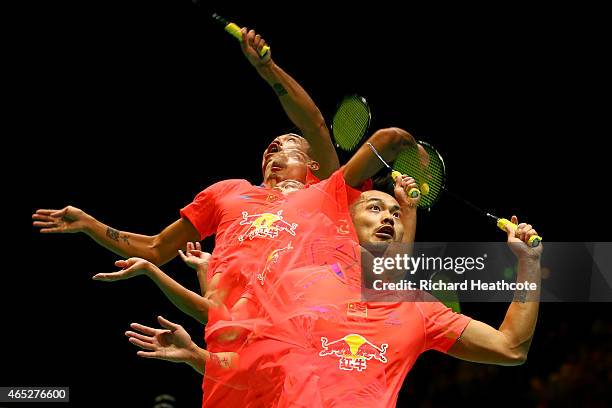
x: 350, y: 122
x: 428, y: 170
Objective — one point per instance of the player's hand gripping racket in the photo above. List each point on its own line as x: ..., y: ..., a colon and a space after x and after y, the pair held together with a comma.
x: 350, y: 122
x: 234, y: 30
x: 504, y: 224
x: 412, y: 192
x: 423, y: 163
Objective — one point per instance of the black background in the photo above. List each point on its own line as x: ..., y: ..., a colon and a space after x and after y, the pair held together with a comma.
x: 127, y: 109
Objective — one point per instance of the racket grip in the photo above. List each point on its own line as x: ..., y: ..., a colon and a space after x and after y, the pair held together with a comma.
x: 234, y: 30
x: 413, y: 192
x: 503, y: 223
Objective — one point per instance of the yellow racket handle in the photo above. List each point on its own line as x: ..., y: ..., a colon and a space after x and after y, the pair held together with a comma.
x: 533, y: 241
x: 234, y: 30
x: 413, y: 192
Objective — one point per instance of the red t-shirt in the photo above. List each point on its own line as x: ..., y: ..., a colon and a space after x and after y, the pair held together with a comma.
x: 327, y: 348
x: 237, y: 213
x: 226, y: 209
x: 312, y: 342
x: 259, y: 232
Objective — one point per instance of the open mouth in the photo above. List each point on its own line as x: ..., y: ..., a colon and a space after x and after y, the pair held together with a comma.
x: 273, y: 148
x: 385, y: 232
x: 276, y: 165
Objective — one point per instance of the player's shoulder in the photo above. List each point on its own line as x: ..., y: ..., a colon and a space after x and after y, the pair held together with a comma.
x: 224, y: 187
x: 230, y: 184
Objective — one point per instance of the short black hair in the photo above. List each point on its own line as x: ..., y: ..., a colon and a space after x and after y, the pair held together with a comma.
x: 382, y: 181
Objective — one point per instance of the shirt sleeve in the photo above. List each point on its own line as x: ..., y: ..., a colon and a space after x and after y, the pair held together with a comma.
x: 441, y: 324
x: 336, y: 186
x: 204, y: 211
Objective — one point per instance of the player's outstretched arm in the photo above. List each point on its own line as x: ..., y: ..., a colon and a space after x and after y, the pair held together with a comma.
x: 509, y: 344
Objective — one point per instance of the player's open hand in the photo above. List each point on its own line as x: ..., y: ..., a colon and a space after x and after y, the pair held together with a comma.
x: 194, y: 256
x: 172, y: 343
x: 129, y: 268
x: 67, y: 220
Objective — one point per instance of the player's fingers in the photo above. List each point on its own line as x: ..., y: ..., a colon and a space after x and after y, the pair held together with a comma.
x: 108, y: 277
x: 251, y: 37
x: 139, y: 336
x: 142, y: 344
x: 526, y: 228
x: 168, y: 324
x: 45, y: 212
x: 408, y: 179
x: 144, y: 329
x: 50, y: 230
x: 262, y: 44
x: 43, y: 224
x: 150, y: 354
x: 43, y: 217
x: 60, y: 213
x: 121, y: 263
x: 243, y: 33
x: 530, y: 234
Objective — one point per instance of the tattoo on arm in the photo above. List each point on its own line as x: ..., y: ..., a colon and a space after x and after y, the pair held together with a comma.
x: 115, y: 235
x: 279, y: 89
x: 520, y: 296
x: 220, y: 361
x: 112, y: 234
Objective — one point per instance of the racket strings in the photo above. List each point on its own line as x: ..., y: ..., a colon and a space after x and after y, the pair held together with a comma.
x: 350, y: 122
x: 430, y: 176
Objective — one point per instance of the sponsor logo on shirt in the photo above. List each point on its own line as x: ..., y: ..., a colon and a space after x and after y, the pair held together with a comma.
x: 265, y: 225
x: 271, y: 260
x: 353, y: 351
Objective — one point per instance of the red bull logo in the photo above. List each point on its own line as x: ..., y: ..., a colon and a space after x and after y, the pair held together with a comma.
x: 270, y: 261
x: 353, y: 351
x: 265, y: 225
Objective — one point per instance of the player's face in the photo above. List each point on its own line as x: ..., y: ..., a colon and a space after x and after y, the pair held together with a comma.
x: 289, y: 186
x: 376, y: 217
x: 289, y: 141
x: 288, y: 164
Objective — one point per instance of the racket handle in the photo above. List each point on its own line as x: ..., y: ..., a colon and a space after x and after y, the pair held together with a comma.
x: 503, y: 223
x: 234, y: 31
x: 413, y: 192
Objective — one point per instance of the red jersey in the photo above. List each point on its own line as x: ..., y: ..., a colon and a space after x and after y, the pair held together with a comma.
x: 259, y: 232
x: 312, y: 342
x: 324, y: 347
